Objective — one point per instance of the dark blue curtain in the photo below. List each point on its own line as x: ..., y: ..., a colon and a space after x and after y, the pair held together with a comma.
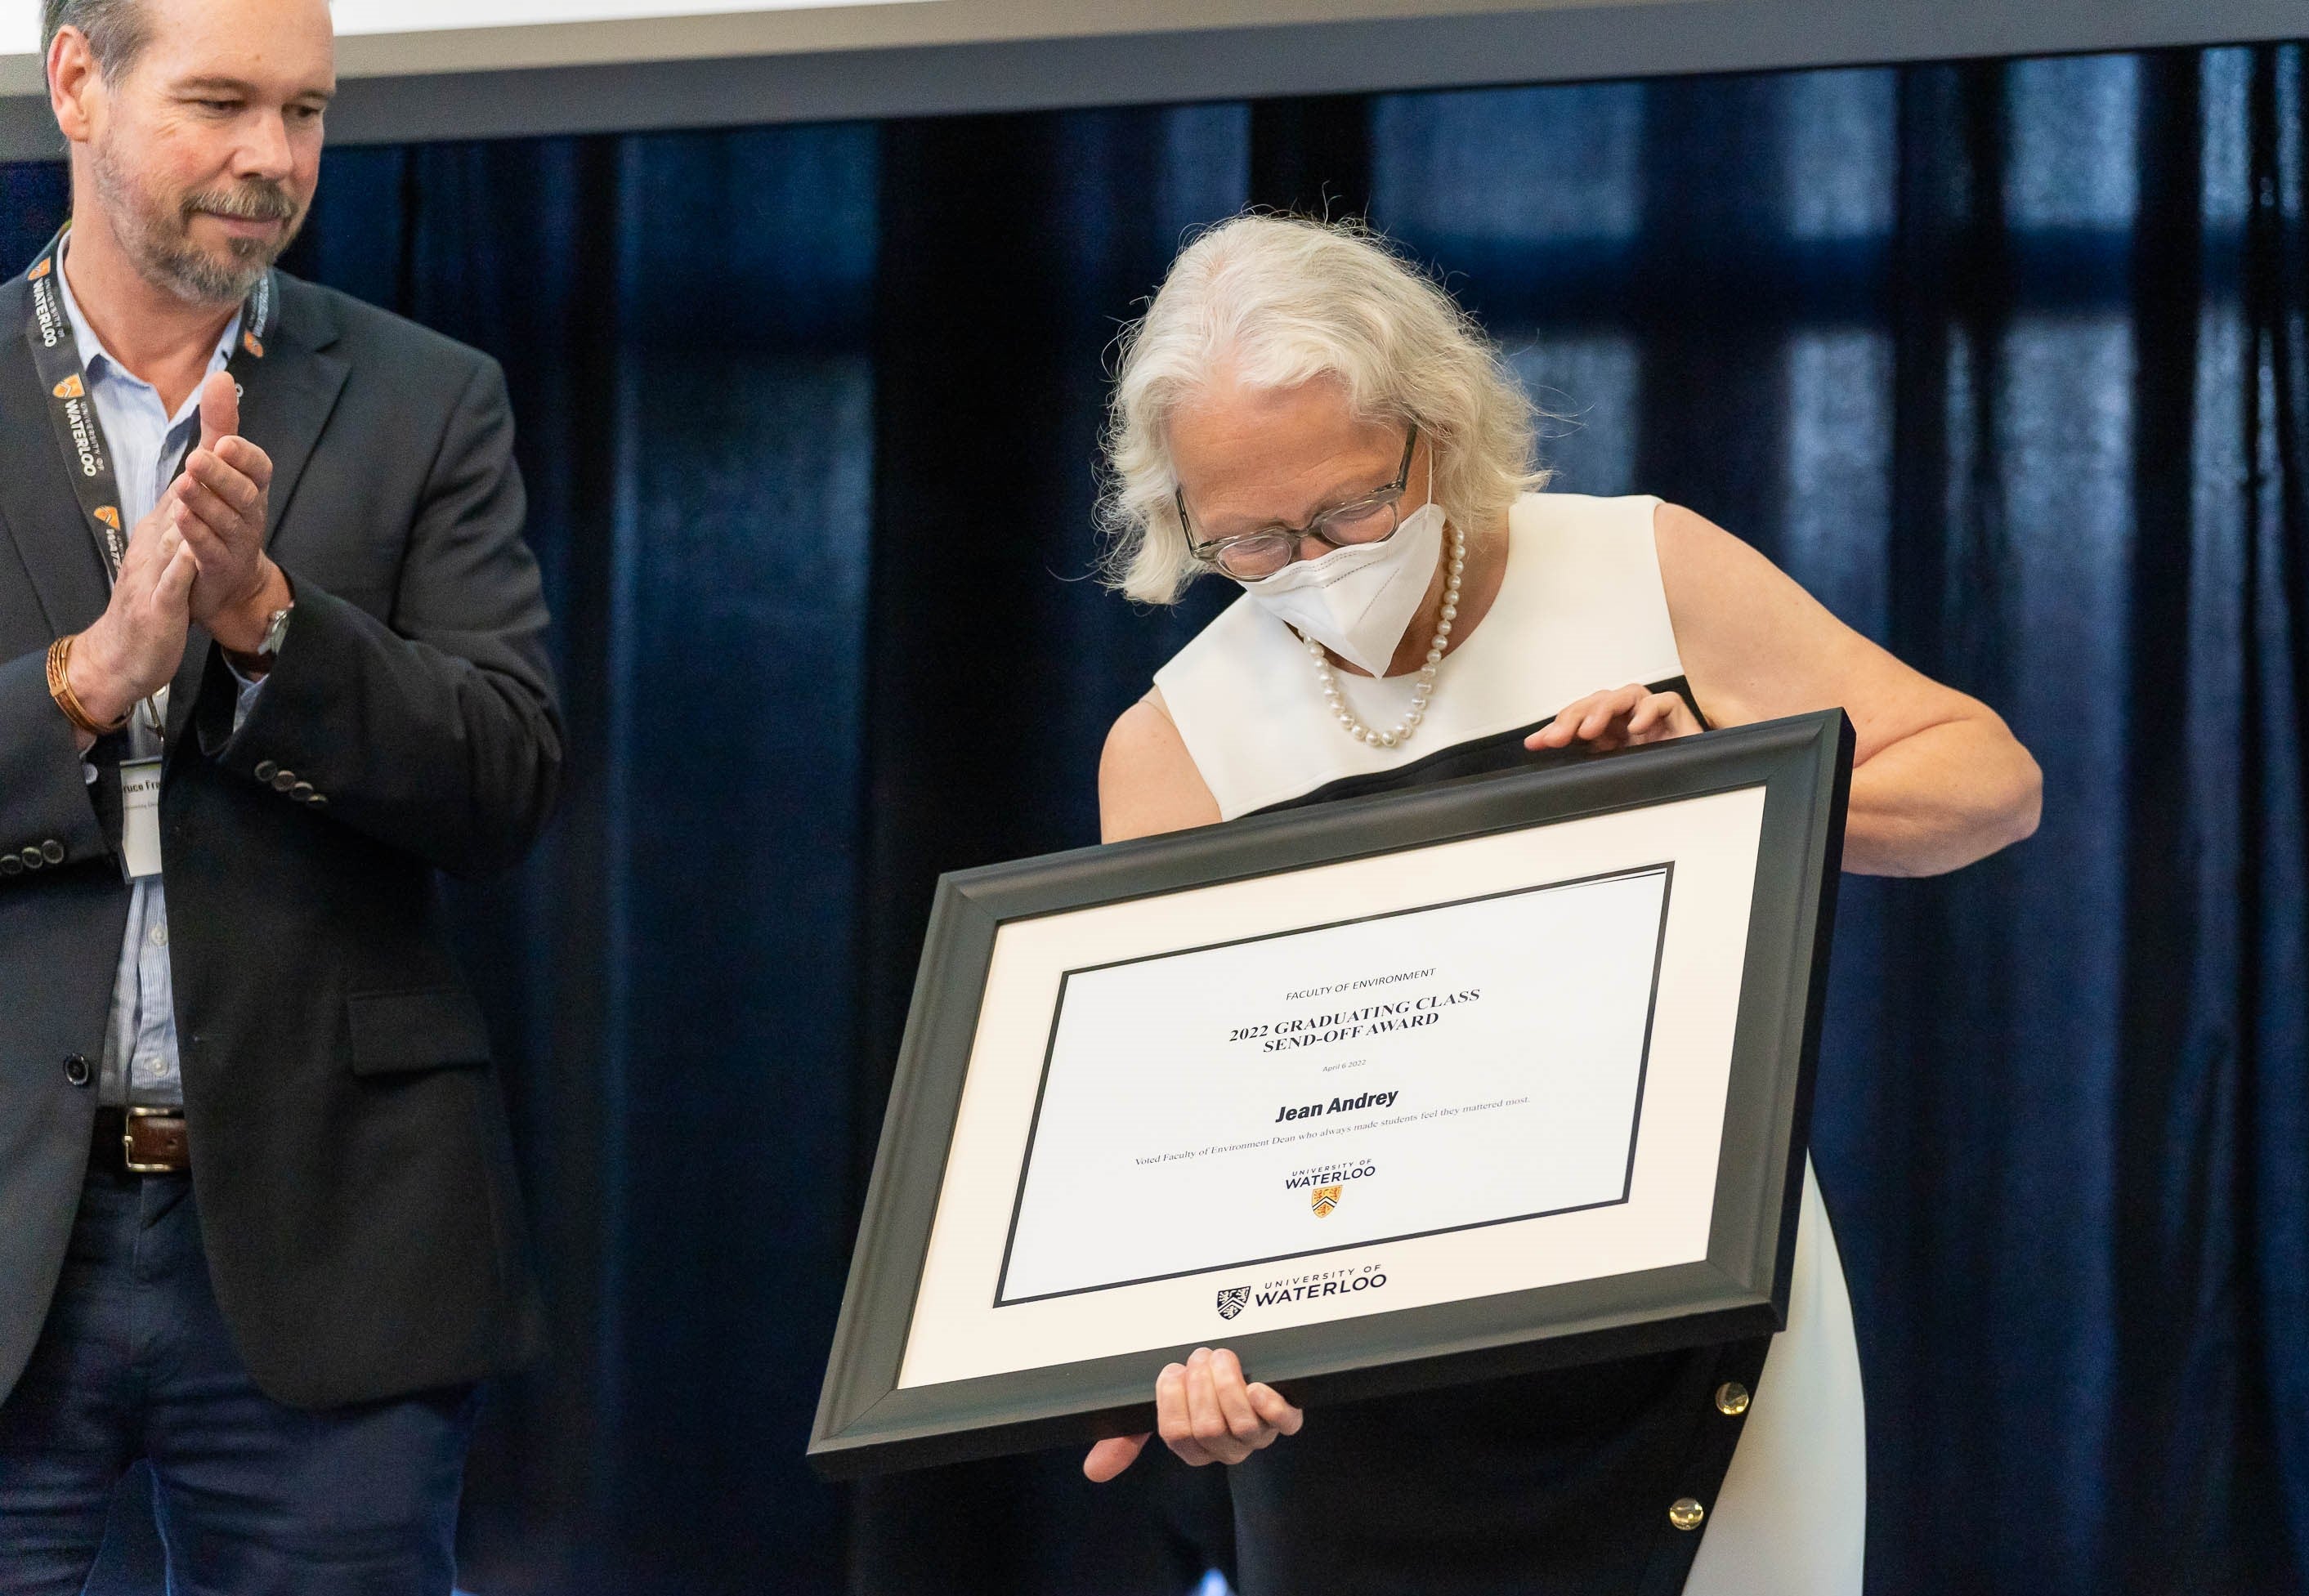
x: 2007, y: 362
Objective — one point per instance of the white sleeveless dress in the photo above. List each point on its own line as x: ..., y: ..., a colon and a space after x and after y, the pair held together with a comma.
x: 1580, y: 609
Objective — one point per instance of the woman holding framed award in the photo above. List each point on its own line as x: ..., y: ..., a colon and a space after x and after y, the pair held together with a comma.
x: 1304, y: 413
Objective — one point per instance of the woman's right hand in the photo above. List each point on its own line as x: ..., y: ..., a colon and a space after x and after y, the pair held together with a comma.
x: 1207, y: 1413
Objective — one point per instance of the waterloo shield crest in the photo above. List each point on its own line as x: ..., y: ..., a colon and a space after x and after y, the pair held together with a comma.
x: 1231, y: 1300
x: 1327, y: 1197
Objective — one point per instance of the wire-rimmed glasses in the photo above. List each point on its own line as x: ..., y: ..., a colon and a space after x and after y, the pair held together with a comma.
x: 1249, y: 556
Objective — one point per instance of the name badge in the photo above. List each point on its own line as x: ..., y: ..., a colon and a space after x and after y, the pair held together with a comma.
x: 140, y: 818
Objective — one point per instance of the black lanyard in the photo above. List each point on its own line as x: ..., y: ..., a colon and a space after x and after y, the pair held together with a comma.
x: 72, y: 410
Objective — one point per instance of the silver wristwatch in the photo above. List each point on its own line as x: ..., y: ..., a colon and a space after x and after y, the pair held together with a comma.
x: 276, y: 629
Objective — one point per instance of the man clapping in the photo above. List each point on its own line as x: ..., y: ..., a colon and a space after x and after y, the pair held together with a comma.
x: 270, y: 654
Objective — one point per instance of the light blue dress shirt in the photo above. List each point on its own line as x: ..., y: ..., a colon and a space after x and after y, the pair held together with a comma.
x: 140, y: 1044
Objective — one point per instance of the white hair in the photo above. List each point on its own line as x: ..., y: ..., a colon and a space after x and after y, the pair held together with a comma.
x: 1280, y: 300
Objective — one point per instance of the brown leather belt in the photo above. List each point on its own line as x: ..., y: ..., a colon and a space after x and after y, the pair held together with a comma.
x: 139, y: 1141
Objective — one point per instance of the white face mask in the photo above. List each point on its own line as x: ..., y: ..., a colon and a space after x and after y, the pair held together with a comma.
x: 1358, y: 602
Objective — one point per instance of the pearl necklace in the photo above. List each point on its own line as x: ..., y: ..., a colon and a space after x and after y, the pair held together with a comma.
x: 1422, y: 689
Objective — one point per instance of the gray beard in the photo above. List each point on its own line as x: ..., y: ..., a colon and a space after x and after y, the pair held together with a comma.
x: 156, y: 238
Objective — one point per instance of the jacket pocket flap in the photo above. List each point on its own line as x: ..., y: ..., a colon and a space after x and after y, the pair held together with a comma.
x: 415, y: 1030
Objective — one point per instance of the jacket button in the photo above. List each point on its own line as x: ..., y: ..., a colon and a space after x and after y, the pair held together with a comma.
x: 1686, y: 1514
x: 53, y: 851
x: 302, y: 792
x: 264, y: 769
x: 33, y: 859
x: 10, y: 864
x: 1731, y: 1399
x: 76, y: 1069
x: 318, y: 801
x: 282, y: 780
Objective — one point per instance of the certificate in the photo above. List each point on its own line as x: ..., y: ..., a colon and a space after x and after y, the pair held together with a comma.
x: 1288, y: 1095
x: 1492, y: 1076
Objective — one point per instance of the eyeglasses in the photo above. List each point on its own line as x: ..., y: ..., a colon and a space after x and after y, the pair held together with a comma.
x: 1371, y: 519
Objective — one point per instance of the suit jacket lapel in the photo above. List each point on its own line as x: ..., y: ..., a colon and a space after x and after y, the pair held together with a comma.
x: 288, y: 396
x: 43, y: 517
x: 285, y: 402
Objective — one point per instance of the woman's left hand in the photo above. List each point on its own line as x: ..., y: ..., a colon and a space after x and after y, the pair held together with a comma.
x: 1618, y: 719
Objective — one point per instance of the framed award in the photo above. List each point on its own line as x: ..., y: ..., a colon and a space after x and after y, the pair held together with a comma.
x: 1504, y: 1073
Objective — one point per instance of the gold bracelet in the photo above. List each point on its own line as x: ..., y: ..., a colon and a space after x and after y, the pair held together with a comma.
x: 60, y: 688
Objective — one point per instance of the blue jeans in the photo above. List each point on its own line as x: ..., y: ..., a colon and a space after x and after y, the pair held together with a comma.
x: 252, y: 1497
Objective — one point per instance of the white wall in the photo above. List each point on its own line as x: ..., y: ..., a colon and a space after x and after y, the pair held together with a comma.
x: 478, y: 68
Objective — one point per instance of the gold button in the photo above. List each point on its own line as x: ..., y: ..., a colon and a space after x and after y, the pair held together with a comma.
x: 1686, y: 1514
x: 1731, y: 1399
x: 282, y: 780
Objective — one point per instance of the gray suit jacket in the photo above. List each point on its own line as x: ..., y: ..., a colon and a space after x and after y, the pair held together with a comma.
x: 349, y: 1149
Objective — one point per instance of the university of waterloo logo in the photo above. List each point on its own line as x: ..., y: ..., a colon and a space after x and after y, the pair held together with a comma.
x: 39, y: 270
x: 70, y: 388
x: 253, y: 344
x: 1327, y: 1198
x: 109, y: 515
x: 1344, y: 1281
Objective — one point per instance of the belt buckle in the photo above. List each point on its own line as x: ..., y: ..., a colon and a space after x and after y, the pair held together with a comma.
x: 135, y: 1112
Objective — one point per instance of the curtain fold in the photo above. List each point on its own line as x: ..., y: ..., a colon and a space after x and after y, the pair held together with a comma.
x: 2006, y: 361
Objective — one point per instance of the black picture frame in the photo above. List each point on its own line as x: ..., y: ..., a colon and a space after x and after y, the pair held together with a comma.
x: 867, y: 1423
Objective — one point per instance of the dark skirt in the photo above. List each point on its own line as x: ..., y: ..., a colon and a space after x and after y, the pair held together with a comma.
x: 1557, y: 1484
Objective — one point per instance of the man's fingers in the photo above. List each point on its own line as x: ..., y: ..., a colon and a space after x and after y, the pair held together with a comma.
x: 212, y: 476
x: 150, y: 530
x: 219, y: 410
x: 202, y: 503
x: 208, y: 550
x: 176, y: 584
x: 144, y: 571
x: 1278, y: 1414
x: 247, y: 459
x: 1110, y: 1458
